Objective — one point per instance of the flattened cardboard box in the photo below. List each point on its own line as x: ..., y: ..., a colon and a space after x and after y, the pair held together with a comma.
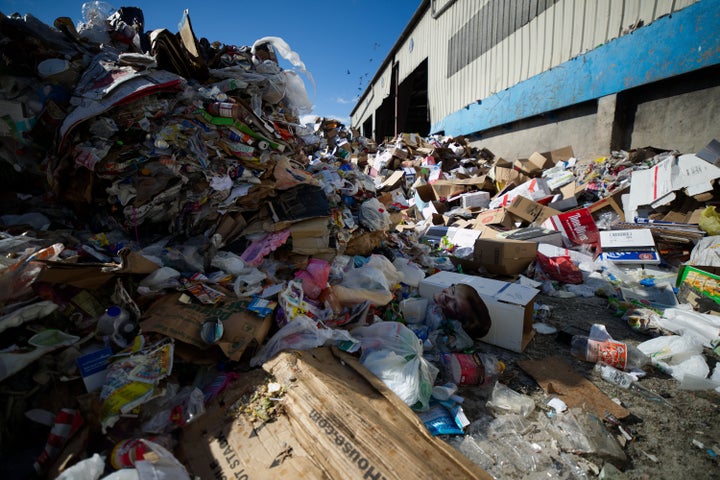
x: 242, y: 328
x: 225, y: 444
x: 340, y: 421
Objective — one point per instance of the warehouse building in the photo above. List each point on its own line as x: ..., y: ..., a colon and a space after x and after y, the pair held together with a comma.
x: 522, y: 75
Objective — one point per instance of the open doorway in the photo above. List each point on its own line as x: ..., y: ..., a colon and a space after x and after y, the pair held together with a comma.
x: 412, y: 112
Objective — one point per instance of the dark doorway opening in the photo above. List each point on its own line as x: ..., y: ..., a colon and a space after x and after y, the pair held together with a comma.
x: 413, y: 115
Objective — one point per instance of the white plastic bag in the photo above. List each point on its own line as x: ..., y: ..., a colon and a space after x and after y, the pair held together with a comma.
x: 677, y: 355
x: 703, y: 327
x: 394, y: 354
x: 89, y: 469
x: 228, y: 262
x: 161, y: 466
x: 413, y: 274
x: 373, y: 215
x: 372, y: 281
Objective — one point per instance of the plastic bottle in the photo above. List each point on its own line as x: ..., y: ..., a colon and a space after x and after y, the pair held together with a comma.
x: 613, y: 375
x: 617, y: 354
x: 106, y: 323
x: 223, y: 109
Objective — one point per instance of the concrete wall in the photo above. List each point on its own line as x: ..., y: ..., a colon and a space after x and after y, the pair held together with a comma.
x: 679, y: 113
x: 573, y: 126
x: 682, y: 121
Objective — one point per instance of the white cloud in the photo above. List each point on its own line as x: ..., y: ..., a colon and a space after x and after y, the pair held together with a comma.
x: 344, y: 101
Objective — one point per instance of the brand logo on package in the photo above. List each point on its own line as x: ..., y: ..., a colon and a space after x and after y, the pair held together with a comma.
x: 578, y: 226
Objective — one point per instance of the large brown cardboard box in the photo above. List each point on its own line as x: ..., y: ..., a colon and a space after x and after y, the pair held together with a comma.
x: 529, y: 210
x: 500, y: 256
x: 497, y: 217
x: 339, y: 421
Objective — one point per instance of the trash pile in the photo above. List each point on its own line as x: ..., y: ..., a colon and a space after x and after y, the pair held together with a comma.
x: 170, y: 229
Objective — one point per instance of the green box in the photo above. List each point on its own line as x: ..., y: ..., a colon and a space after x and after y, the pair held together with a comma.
x: 699, y: 288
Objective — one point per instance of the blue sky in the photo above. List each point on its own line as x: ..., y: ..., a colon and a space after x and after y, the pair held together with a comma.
x: 341, y: 42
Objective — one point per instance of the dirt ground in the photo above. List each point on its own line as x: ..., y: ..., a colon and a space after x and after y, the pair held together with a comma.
x: 662, y: 445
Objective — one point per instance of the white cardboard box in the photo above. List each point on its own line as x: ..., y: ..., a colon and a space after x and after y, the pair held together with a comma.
x: 510, y: 306
x: 629, y: 246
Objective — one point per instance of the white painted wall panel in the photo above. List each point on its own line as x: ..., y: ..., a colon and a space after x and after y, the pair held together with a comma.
x: 564, y: 30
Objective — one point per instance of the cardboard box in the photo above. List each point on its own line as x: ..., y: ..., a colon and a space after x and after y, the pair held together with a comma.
x: 612, y: 202
x: 393, y: 181
x: 560, y: 155
x: 242, y: 329
x: 656, y: 186
x: 535, y: 234
x: 510, y: 306
x: 534, y: 189
x: 475, y: 200
x: 461, y: 237
x: 339, y: 421
x: 534, y: 165
x: 537, y: 162
x: 498, y: 216
x: 699, y: 288
x: 505, y: 176
x: 631, y: 246
x: 530, y: 210
x: 577, y: 227
x: 499, y: 256
x: 399, y: 152
x: 93, y: 275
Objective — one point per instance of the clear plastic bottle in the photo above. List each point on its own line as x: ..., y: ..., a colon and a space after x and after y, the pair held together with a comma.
x: 613, y: 375
x: 617, y: 354
x: 114, y: 315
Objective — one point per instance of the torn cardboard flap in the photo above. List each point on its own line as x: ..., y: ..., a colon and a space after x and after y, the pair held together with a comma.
x: 242, y: 329
x: 557, y: 378
x: 92, y: 275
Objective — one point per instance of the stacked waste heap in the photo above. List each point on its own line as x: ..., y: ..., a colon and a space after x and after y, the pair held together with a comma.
x: 170, y: 227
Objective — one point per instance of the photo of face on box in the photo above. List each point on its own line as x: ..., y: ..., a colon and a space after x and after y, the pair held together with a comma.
x: 461, y: 302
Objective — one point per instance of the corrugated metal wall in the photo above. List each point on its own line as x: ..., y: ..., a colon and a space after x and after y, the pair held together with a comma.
x: 518, y: 39
x: 479, y: 47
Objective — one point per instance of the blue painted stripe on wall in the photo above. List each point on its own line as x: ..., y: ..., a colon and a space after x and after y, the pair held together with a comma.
x: 679, y: 43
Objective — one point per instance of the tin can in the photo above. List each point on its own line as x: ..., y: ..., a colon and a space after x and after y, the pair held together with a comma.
x: 127, y: 452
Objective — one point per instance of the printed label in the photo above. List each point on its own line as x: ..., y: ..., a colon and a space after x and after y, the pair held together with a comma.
x: 608, y: 352
x: 468, y: 369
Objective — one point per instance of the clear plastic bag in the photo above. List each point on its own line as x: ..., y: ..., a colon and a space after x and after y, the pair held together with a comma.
x: 95, y: 26
x: 178, y: 410
x: 302, y: 333
x: 504, y: 400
